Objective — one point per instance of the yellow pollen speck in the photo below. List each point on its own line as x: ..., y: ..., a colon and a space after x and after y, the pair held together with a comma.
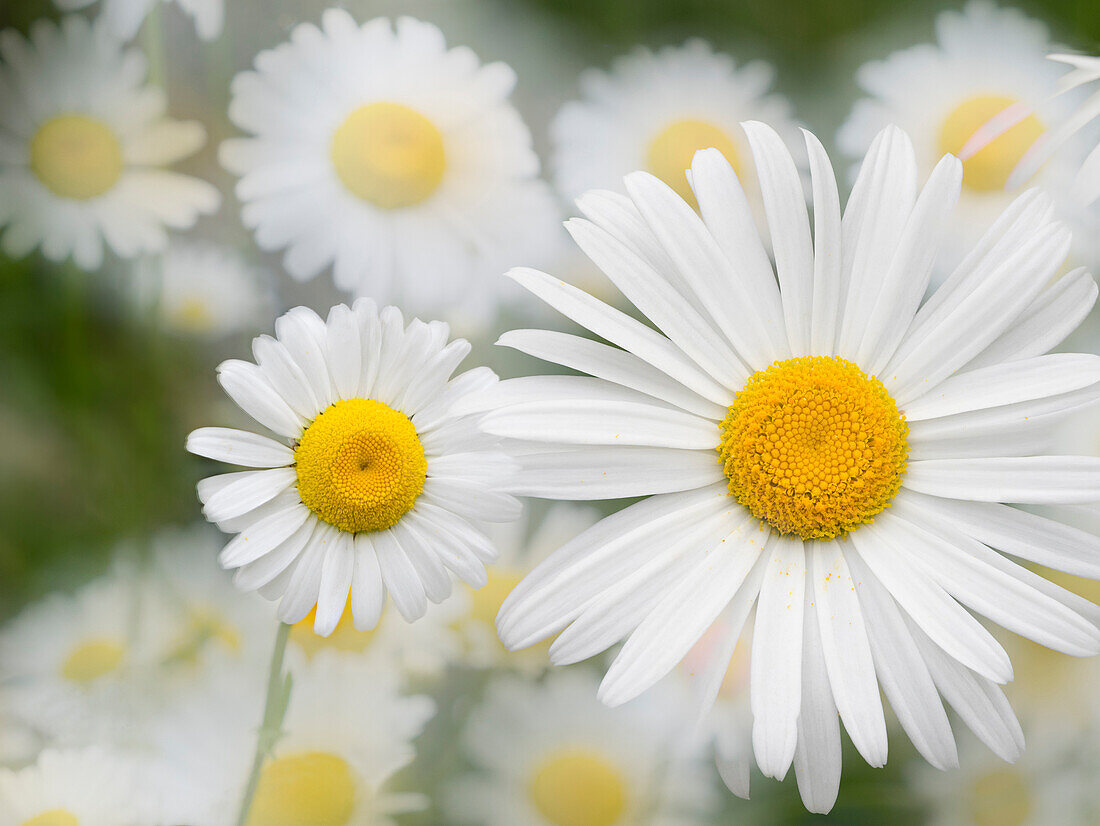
x: 344, y: 638
x: 304, y: 789
x: 578, y: 787
x: 54, y: 817
x: 75, y: 156
x: 988, y: 169
x: 814, y: 446
x: 389, y: 155
x: 93, y: 659
x: 360, y: 465
x: 670, y: 153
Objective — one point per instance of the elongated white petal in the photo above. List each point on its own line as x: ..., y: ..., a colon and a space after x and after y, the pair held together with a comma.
x: 253, y: 393
x: 368, y: 594
x: 825, y: 319
x: 530, y: 389
x: 304, y: 583
x: 336, y: 574
x: 286, y: 376
x: 400, y: 576
x: 419, y: 548
x: 776, y: 664
x: 257, y: 574
x: 847, y: 652
x: 452, y: 548
x: 344, y: 350
x: 239, y: 447
x: 472, y: 501
x: 817, y: 757
x: 615, y: 472
x: 263, y: 536
x: 1020, y: 479
x: 248, y: 489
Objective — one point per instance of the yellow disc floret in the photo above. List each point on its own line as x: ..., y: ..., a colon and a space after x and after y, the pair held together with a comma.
x: 988, y: 169
x: 389, y: 155
x: 360, y: 465
x: 54, y: 817
x: 814, y: 446
x: 670, y: 153
x: 578, y: 787
x: 305, y: 789
x: 75, y: 156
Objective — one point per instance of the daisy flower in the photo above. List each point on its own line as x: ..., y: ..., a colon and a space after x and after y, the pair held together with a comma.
x: 82, y: 144
x: 378, y: 151
x: 372, y: 484
x: 653, y: 111
x: 90, y: 787
x: 204, y: 290
x: 814, y: 440
x: 549, y: 754
x: 347, y: 731
x: 985, y: 59
x: 123, y: 18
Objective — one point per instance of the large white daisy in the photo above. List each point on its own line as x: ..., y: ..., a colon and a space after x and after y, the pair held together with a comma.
x: 399, y: 162
x: 550, y: 755
x: 813, y: 439
x: 653, y: 111
x: 123, y: 18
x: 83, y: 143
x: 372, y: 484
x: 347, y: 730
x: 985, y: 59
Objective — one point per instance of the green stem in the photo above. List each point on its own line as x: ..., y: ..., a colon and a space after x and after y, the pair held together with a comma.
x: 153, y: 43
x: 278, y: 696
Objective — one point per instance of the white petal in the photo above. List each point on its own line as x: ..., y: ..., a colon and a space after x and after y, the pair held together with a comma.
x: 257, y: 574
x: 418, y: 547
x: 471, y: 501
x: 305, y: 581
x: 400, y: 576
x: 286, y: 376
x: 247, y: 490
x: 1020, y: 479
x: 302, y: 332
x: 825, y: 320
x: 263, y: 536
x: 239, y: 447
x: 453, y: 547
x: 336, y: 573
x: 368, y: 594
x: 253, y: 393
x: 344, y: 350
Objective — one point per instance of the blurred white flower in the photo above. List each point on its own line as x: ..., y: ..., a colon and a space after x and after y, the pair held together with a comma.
x: 347, y: 730
x: 812, y: 439
x: 124, y: 17
x: 203, y: 289
x: 652, y: 111
x: 549, y: 754
x: 82, y: 146
x: 374, y: 487
x: 397, y: 161
x: 985, y: 60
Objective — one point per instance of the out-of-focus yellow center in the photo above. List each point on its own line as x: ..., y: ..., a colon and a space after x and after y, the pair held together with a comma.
x: 54, y: 817
x: 485, y: 602
x: 344, y: 638
x: 360, y: 465
x: 988, y: 169
x: 389, y: 155
x: 578, y: 787
x: 670, y: 153
x: 93, y: 659
x: 75, y: 156
x: 814, y: 446
x: 193, y: 314
x: 1000, y: 798
x: 305, y: 789
x: 204, y: 626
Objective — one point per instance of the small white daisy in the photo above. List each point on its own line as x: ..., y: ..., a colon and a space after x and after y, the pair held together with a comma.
x: 653, y: 111
x: 82, y: 144
x: 123, y: 18
x: 397, y: 161
x: 549, y: 754
x: 91, y: 787
x: 205, y: 290
x: 347, y: 730
x: 985, y: 60
x: 815, y: 440
x: 372, y: 486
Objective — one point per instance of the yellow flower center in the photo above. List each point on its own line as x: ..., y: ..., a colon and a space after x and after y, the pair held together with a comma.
x: 93, y: 659
x: 1000, y: 798
x: 194, y: 314
x: 578, y: 788
x: 344, y: 638
x: 76, y: 156
x: 389, y: 155
x: 814, y: 446
x: 988, y: 169
x: 360, y: 465
x: 485, y: 602
x: 670, y: 153
x: 312, y: 788
x: 54, y: 817
x: 204, y: 626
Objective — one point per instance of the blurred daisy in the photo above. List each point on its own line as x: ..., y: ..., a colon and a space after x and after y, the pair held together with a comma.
x: 373, y: 486
x: 813, y: 440
x: 652, y: 111
x: 202, y: 289
x: 550, y: 755
x: 124, y: 17
x: 92, y: 787
x: 397, y: 161
x: 985, y: 59
x: 522, y: 544
x: 347, y: 731
x: 82, y: 146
